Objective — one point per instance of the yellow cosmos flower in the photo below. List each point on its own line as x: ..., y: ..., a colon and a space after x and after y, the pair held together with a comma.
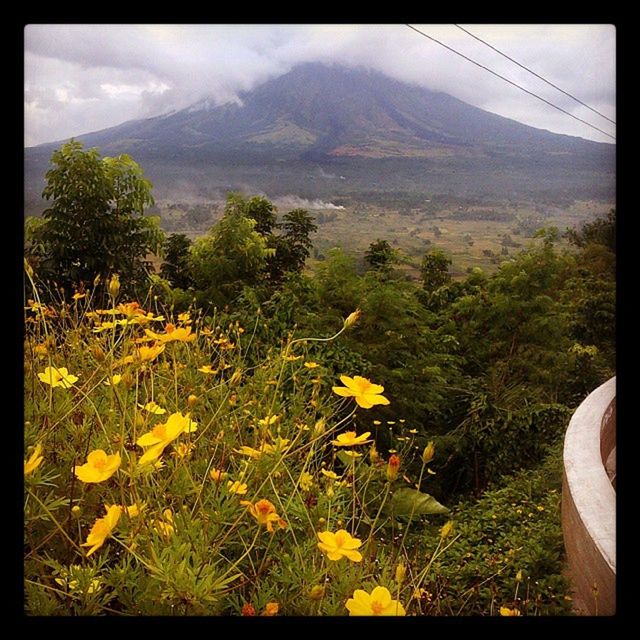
x: 181, y: 334
x: 268, y: 421
x: 330, y: 474
x: 165, y: 527
x: 102, y: 528
x: 34, y: 461
x: 237, y: 487
x: 339, y: 545
x: 98, y: 468
x: 79, y: 296
x: 505, y: 611
x: 311, y: 365
x: 156, y: 440
x: 376, y: 603
x: 58, y: 377
x: 265, y: 513
x: 207, y: 369
x: 217, y: 475
x: 306, y: 481
x: 350, y: 439
x: 152, y: 407
x: 291, y: 358
x: 265, y: 448
x: 114, y: 380
x: 363, y: 390
x: 143, y: 354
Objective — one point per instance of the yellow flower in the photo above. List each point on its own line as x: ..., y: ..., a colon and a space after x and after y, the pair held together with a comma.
x: 102, y: 528
x: 353, y: 454
x: 265, y: 513
x: 183, y: 450
x: 79, y: 296
x: 271, y: 609
x: 165, y: 527
x: 377, y: 603
x: 156, y: 440
x: 350, y: 439
x: 144, y: 354
x: 207, y: 369
x: 237, y: 487
x: 330, y: 474
x: 99, y: 467
x: 185, y: 317
x: 311, y: 365
x: 217, y: 475
x: 114, y: 380
x: 268, y: 421
x: 292, y: 358
x: 364, y: 391
x: 181, y: 334
x: 447, y: 527
x: 505, y: 611
x: 134, y: 510
x: 339, y: 545
x: 58, y: 377
x: 34, y: 461
x: 152, y: 407
x: 41, y: 349
x: 306, y: 481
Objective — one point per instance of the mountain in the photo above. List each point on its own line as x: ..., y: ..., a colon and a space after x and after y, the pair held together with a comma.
x: 374, y: 132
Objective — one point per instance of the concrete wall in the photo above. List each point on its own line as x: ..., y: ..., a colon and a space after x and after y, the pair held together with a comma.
x: 589, y: 501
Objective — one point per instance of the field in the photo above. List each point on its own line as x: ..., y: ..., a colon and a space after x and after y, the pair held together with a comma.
x: 472, y: 232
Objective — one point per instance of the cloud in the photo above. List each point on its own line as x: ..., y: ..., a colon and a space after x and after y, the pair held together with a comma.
x: 81, y: 78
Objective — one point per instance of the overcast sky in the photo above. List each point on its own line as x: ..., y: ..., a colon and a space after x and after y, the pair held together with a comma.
x: 83, y: 78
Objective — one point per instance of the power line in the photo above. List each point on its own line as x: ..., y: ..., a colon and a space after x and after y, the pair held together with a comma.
x: 510, y: 81
x: 566, y: 93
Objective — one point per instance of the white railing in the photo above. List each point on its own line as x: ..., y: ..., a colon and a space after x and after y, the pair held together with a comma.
x: 589, y: 501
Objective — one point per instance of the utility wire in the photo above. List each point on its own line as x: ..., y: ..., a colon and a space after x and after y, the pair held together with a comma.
x: 510, y: 81
x: 566, y: 93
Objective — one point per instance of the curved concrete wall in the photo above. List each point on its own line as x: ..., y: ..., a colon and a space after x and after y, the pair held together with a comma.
x: 589, y: 501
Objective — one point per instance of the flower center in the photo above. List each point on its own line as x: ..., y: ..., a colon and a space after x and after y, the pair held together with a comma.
x: 100, y: 464
x: 376, y: 608
x: 160, y: 431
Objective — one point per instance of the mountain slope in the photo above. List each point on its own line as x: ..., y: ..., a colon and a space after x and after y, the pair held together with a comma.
x: 331, y: 115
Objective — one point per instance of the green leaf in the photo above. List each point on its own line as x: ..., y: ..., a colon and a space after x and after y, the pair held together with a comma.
x: 345, y: 458
x: 407, y: 501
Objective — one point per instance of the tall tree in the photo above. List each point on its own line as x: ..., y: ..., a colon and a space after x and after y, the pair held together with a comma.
x: 96, y: 223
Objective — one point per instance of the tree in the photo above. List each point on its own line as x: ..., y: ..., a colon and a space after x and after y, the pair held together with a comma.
x: 435, y: 270
x: 298, y: 226
x: 232, y: 255
x: 176, y: 268
x: 96, y: 223
x: 380, y: 256
x: 256, y: 208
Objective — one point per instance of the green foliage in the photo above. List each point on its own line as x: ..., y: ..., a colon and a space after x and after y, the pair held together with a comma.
x: 407, y: 502
x: 231, y: 256
x: 176, y: 267
x: 95, y: 225
x: 381, y: 256
x: 513, y: 527
x: 434, y: 270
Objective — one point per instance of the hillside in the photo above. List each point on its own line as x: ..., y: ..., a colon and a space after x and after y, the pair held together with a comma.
x: 321, y: 131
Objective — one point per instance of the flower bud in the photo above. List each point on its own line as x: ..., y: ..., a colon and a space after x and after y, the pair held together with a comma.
x: 374, y: 456
x: 191, y: 400
x: 75, y: 511
x: 428, y: 453
x: 127, y: 379
x: 248, y: 610
x: 519, y: 576
x: 401, y: 573
x: 392, y: 467
x: 352, y: 318
x: 96, y: 281
x: 317, y: 592
x: 446, y: 529
x: 97, y: 352
x: 114, y: 285
x: 235, y: 378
